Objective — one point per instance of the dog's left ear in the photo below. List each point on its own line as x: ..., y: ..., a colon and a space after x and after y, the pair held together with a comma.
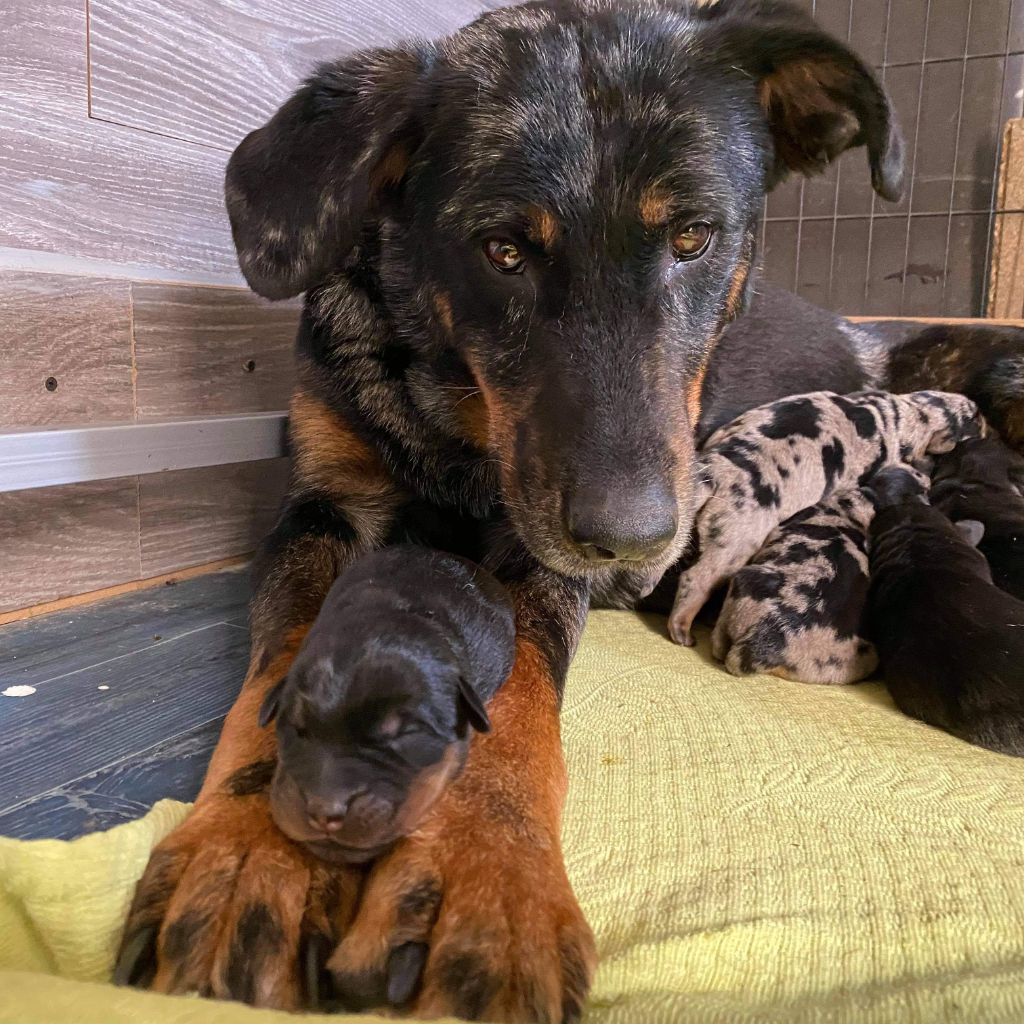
x: 472, y: 706
x: 819, y: 97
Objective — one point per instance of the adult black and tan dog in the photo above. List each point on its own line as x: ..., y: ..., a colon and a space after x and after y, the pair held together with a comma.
x: 521, y: 247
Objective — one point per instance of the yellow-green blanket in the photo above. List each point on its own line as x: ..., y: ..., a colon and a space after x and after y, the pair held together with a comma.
x: 746, y: 849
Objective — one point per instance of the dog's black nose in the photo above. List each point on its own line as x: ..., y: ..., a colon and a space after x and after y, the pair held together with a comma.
x: 621, y: 524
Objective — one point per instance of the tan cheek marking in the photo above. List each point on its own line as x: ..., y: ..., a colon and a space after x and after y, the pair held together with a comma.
x: 443, y: 308
x: 693, y: 392
x: 426, y: 790
x: 544, y: 228
x: 474, y: 420
x: 734, y: 300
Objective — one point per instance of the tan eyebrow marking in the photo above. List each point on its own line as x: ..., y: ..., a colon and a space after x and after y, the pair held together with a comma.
x: 655, y: 207
x: 543, y: 227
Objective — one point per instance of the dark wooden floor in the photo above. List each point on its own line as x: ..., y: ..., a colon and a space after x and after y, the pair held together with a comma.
x: 127, y: 700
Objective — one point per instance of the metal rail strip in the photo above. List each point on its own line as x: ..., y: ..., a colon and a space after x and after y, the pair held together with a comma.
x: 70, y: 455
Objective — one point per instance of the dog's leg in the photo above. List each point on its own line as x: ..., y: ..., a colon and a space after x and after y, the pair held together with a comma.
x: 228, y: 906
x: 717, y: 564
x: 478, y: 899
x: 721, y: 635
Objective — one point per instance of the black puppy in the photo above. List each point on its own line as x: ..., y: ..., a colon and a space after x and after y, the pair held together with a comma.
x: 983, y: 480
x: 374, y: 718
x: 951, y: 643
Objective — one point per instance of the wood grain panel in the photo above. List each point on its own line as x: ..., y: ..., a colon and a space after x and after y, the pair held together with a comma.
x: 209, y: 351
x: 57, y: 541
x: 58, y: 643
x: 84, y: 188
x: 197, y: 515
x: 163, y: 690
x: 42, y: 54
x: 120, y: 792
x: 212, y: 70
x: 74, y: 332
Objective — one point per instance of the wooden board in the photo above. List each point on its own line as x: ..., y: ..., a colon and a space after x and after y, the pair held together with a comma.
x: 1006, y: 273
x: 196, y: 515
x: 58, y: 643
x: 210, y: 351
x: 173, y: 646
x: 160, y: 691
x: 209, y: 71
x: 82, y: 187
x: 56, y: 541
x: 172, y: 769
x: 74, y: 332
x: 42, y: 43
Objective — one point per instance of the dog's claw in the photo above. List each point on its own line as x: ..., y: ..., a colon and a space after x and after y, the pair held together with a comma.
x: 317, y: 979
x: 136, y: 961
x: 680, y: 631
x: 405, y: 968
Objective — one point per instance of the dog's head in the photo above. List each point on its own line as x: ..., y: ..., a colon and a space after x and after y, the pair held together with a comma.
x: 366, y: 746
x: 563, y: 200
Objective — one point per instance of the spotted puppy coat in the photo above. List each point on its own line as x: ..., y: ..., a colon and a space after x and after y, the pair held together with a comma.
x: 784, y: 457
x: 796, y: 610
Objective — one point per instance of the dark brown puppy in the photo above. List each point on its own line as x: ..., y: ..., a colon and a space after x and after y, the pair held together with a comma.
x: 374, y: 717
x: 983, y: 480
x: 951, y: 644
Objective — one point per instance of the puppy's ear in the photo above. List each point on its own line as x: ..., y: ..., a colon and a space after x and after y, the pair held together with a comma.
x: 818, y: 96
x: 299, y: 188
x: 971, y: 531
x: 473, y: 707
x: 271, y: 703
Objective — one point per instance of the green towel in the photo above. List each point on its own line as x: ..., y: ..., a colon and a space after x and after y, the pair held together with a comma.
x: 746, y: 850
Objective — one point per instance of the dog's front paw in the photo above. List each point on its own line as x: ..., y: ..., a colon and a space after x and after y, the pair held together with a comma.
x: 229, y: 907
x: 473, y: 916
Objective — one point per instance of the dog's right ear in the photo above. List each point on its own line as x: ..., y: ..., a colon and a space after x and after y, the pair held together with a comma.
x: 298, y: 189
x: 271, y: 704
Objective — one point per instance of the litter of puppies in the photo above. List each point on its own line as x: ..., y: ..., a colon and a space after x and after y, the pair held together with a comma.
x: 815, y: 512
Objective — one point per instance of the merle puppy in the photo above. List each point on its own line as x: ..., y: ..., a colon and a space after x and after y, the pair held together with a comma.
x: 374, y: 717
x: 951, y: 643
x: 795, y: 610
x: 784, y: 457
x: 983, y: 480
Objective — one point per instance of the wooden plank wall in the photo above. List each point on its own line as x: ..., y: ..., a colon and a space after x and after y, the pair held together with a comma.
x: 120, y: 298
x: 1006, y: 274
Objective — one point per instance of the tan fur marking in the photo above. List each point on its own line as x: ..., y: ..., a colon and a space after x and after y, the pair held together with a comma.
x: 443, y: 308
x: 543, y: 227
x: 734, y: 300
x: 693, y: 392
x: 391, y: 169
x: 655, y: 207
x: 329, y: 454
x: 475, y: 420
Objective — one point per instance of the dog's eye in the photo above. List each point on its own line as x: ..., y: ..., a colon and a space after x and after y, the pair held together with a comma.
x: 692, y: 241
x: 504, y: 255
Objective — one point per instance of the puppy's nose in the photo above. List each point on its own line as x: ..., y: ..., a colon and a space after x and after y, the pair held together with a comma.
x: 327, y: 814
x: 619, y: 523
